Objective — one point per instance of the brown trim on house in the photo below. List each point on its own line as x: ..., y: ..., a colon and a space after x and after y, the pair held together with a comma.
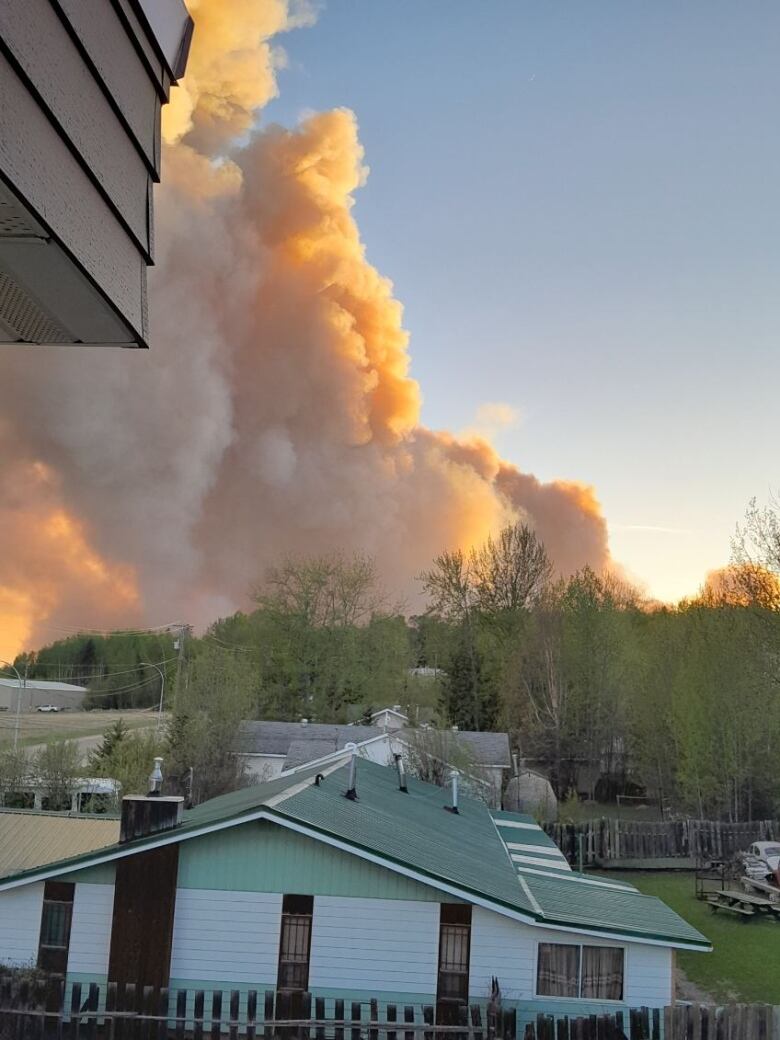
x: 142, y: 925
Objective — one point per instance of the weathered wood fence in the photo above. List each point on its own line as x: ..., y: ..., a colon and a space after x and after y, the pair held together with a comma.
x: 51, y: 1011
x: 680, y: 1022
x: 605, y: 840
x: 45, y: 1011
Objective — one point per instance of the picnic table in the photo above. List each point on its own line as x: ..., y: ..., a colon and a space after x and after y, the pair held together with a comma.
x: 744, y: 903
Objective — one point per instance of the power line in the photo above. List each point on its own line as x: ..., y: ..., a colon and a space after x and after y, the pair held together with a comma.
x: 86, y: 631
x: 96, y: 668
x: 223, y: 645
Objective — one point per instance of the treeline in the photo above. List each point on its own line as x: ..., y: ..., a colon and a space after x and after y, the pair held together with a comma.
x: 603, y: 692
x: 120, y: 670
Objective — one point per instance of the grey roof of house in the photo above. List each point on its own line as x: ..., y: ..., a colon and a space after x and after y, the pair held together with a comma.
x: 276, y: 738
x: 303, y: 751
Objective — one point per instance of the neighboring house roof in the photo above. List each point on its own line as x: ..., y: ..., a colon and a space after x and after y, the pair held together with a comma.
x: 44, y: 684
x: 390, y: 711
x: 301, y: 752
x: 32, y: 839
x: 276, y: 738
x: 412, y: 833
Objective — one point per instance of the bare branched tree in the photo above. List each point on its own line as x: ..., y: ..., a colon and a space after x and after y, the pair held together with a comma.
x: 323, y: 591
x: 449, y: 585
x: 757, y: 539
x: 510, y: 572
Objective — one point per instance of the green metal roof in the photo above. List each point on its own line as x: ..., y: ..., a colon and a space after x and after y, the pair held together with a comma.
x: 567, y: 900
x: 414, y: 832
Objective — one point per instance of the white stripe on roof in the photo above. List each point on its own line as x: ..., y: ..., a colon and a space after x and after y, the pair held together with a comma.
x: 545, y: 850
x: 541, y: 862
x: 571, y: 876
x: 516, y: 823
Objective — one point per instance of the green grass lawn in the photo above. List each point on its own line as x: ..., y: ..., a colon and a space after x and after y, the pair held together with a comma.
x: 745, y: 962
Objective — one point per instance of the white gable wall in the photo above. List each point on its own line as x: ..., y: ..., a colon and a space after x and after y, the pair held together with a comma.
x: 375, y: 945
x: 227, y: 937
x: 20, y: 924
x: 90, y: 930
x: 507, y: 949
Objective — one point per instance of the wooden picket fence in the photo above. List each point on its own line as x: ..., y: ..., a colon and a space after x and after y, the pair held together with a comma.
x: 680, y: 1022
x: 52, y: 1011
x: 126, y: 1012
x: 605, y: 840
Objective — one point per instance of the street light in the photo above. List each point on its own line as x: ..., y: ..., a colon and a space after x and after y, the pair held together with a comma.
x: 149, y: 664
x: 18, y: 700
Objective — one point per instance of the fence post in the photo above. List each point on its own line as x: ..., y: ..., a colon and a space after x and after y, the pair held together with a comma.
x: 408, y: 1017
x: 268, y: 1014
x: 338, y: 1015
x: 251, y: 1014
x: 391, y: 1013
x: 428, y: 1018
x: 181, y: 1013
x: 197, y: 1014
x: 319, y: 1014
x: 356, y: 1017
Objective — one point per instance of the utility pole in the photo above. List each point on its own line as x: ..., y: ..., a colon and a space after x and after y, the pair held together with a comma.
x: 22, y: 686
x: 149, y: 664
x: 178, y: 646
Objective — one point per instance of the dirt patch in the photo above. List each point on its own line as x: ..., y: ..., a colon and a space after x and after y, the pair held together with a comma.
x: 684, y: 989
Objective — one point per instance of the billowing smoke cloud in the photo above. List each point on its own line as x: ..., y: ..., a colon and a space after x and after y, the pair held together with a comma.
x: 274, y: 412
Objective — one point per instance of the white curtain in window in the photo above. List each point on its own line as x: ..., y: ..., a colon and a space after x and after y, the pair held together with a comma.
x: 602, y: 973
x: 558, y: 970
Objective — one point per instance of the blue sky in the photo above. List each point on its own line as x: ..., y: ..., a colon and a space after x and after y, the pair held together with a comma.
x: 577, y: 203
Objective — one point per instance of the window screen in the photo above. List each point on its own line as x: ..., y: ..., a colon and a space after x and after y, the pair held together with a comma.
x: 295, y: 943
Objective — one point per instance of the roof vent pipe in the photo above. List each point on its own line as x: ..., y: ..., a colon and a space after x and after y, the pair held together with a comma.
x: 454, y: 774
x: 351, y: 785
x: 156, y: 779
x: 515, y: 770
x: 399, y: 763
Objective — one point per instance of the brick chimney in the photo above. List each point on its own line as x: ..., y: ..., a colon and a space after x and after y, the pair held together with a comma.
x: 150, y: 813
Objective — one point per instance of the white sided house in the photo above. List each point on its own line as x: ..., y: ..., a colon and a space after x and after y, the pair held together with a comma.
x: 272, y: 749
x: 347, y: 882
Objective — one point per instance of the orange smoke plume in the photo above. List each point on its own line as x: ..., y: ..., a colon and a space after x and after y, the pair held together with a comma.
x: 49, y: 567
x: 275, y: 412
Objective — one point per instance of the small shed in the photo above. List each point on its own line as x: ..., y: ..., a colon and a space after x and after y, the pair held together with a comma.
x: 531, y: 793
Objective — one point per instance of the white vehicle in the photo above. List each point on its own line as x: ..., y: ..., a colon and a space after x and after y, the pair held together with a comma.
x: 47, y: 707
x: 762, y: 861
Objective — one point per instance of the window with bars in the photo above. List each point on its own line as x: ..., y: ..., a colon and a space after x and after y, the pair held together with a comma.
x: 56, y: 918
x: 295, y: 944
x: 587, y: 972
x: 454, y: 948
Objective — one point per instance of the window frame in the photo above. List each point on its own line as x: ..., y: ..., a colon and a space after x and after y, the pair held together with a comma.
x: 580, y: 999
x: 51, y: 958
x: 294, y: 906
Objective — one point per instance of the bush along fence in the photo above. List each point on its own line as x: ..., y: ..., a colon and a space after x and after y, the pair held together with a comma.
x: 602, y: 841
x: 41, y: 1010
